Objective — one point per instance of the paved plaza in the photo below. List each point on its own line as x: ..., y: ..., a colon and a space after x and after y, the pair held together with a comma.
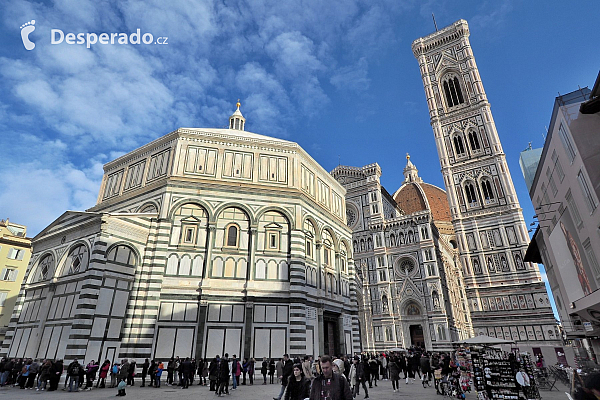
x: 256, y: 392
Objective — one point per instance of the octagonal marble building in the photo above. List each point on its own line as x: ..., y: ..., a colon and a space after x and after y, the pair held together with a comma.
x: 202, y: 242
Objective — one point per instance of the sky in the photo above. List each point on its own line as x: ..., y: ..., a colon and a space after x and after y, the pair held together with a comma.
x: 337, y: 77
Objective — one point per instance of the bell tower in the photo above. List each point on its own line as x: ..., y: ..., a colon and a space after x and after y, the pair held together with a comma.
x: 506, y: 296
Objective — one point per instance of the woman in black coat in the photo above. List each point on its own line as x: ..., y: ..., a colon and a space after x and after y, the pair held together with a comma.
x: 271, y: 370
x: 298, y: 387
x: 394, y: 369
x: 264, y: 369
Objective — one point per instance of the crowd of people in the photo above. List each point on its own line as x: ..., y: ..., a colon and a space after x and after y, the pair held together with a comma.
x: 299, y: 379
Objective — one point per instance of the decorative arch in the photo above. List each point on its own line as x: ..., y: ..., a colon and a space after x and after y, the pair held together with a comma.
x: 470, y: 189
x: 274, y: 228
x: 200, y: 203
x: 411, y: 308
x: 334, y: 237
x: 405, y: 265
x: 233, y: 220
x: 310, y: 236
x: 290, y: 218
x: 123, y: 253
x: 487, y: 188
x: 76, y: 260
x: 44, y: 268
x: 474, y: 139
x: 148, y: 207
x: 247, y: 210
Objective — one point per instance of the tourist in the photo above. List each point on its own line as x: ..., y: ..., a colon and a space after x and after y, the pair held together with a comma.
x: 286, y: 372
x: 145, y: 368
x: 104, y: 369
x: 34, y: 368
x: 213, y: 374
x: 361, y: 378
x: 298, y: 387
x: 271, y: 370
x: 45, y: 372
x: 158, y: 374
x: 152, y: 372
x: 114, y: 372
x: 306, y: 368
x: 425, y: 368
x: 236, y: 371
x: 186, y: 371
x: 73, y: 371
x: 90, y: 374
x: 223, y: 375
x: 131, y: 373
x: 394, y: 373
x: 329, y: 385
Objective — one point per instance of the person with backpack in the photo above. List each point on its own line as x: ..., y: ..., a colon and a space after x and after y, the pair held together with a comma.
x: 45, y: 374
x: 24, y: 374
x: 34, y: 368
x: 114, y: 371
x: 73, y: 371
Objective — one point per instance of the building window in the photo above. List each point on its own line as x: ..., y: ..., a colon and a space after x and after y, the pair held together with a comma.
x: 452, y: 91
x: 382, y: 276
x: 189, y: 234
x: 458, y: 146
x: 587, y: 246
x: 326, y: 255
x: 470, y: 192
x: 15, y: 254
x: 3, y: 298
x: 232, y: 236
x: 567, y: 143
x: 486, y: 187
x: 123, y: 256
x: 77, y: 260
x: 551, y: 181
x: 45, y: 268
x: 573, y: 208
x: 273, y: 240
x: 587, y: 193
x: 558, y: 166
x: 473, y: 140
x: 9, y: 274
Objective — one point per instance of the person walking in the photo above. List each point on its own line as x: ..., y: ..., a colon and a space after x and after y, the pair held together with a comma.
x: 394, y: 373
x: 286, y: 372
x: 298, y: 387
x: 264, y: 368
x: 425, y: 368
x: 361, y: 378
x: 152, y: 373
x: 56, y: 370
x: 329, y: 385
x: 306, y: 367
x: 251, y: 370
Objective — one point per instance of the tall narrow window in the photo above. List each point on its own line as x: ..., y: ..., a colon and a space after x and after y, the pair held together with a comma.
x: 453, y: 91
x: 470, y: 192
x: 474, y: 141
x: 573, y: 209
x: 566, y: 141
x: 486, y: 187
x: 590, y: 200
x: 558, y: 166
x: 447, y: 92
x: 458, y: 91
x: 458, y: 145
x: 232, y: 234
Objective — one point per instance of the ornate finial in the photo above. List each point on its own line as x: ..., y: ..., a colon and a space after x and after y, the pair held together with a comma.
x: 407, y: 157
x: 238, y: 104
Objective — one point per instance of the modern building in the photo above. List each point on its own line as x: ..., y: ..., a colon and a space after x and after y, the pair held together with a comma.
x: 15, y: 251
x: 405, y: 256
x: 506, y: 295
x: 565, y: 193
x: 202, y: 242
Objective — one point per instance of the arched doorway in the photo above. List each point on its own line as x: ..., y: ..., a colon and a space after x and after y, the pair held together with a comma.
x: 416, y: 336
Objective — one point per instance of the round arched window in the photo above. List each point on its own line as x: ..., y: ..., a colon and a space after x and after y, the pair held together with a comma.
x: 45, y: 268
x: 407, y: 266
x: 77, y: 260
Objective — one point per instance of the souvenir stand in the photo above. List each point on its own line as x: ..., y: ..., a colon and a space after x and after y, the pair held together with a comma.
x: 499, y: 375
x: 464, y: 363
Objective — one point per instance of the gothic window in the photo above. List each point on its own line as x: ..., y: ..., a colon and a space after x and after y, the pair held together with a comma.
x: 470, y: 192
x: 410, y: 237
x: 424, y: 233
x: 77, y: 260
x: 401, y: 238
x: 407, y: 266
x: 519, y: 262
x: 384, y: 304
x: 486, y: 187
x: 392, y: 240
x: 232, y: 236
x: 474, y: 141
x: 309, y: 231
x: 453, y: 92
x: 378, y: 240
x: 459, y: 146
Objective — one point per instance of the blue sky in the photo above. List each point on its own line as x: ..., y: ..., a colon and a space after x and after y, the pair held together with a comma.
x: 338, y: 77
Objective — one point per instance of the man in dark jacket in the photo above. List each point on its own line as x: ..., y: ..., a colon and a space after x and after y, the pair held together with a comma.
x: 223, y: 375
x: 73, y: 371
x: 425, y: 368
x: 329, y: 385
x: 145, y: 367
x: 288, y: 369
x: 360, y: 378
x: 186, y: 372
x: 213, y: 374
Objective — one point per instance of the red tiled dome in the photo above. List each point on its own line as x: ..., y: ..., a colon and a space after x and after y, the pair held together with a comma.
x: 410, y: 197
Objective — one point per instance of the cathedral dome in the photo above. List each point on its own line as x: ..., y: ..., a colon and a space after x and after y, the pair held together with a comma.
x: 414, y: 195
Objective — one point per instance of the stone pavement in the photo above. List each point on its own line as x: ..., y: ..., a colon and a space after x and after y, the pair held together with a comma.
x: 256, y: 392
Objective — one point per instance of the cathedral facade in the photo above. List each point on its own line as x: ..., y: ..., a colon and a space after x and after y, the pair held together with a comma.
x: 410, y: 291
x: 507, y: 298
x: 202, y: 242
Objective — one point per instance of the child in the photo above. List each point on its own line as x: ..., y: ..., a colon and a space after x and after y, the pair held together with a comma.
x: 121, y: 386
x: 159, y: 371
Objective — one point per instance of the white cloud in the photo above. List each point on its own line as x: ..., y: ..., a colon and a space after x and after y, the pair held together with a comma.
x: 352, y: 78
